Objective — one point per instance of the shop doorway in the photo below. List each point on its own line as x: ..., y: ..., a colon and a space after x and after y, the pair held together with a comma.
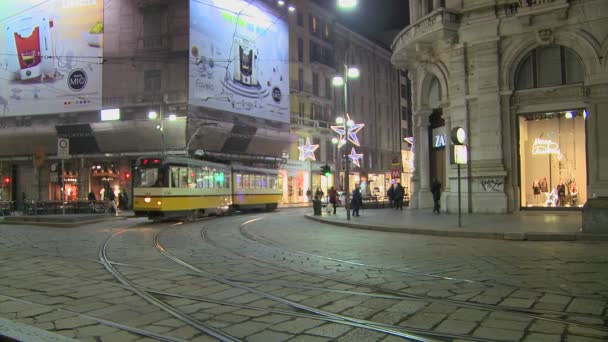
x: 553, y: 159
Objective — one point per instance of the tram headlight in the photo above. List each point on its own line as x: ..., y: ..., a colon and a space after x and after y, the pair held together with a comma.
x: 147, y: 199
x: 159, y: 202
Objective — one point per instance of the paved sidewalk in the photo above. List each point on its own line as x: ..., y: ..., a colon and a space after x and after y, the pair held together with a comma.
x: 525, y: 225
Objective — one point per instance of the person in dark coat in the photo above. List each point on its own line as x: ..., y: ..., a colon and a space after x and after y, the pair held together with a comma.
x: 391, y: 195
x: 436, y: 191
x: 398, y: 196
x: 333, y: 197
x: 357, y: 201
x: 92, y: 200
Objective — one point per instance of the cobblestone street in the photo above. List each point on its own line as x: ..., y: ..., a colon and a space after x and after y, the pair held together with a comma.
x: 280, y: 277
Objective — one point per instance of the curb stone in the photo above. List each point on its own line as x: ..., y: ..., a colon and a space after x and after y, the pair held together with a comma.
x: 510, y: 236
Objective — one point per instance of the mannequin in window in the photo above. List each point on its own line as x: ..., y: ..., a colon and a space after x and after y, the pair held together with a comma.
x: 573, y: 193
x: 561, y: 193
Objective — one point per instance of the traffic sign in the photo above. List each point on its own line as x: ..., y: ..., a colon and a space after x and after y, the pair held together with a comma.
x: 63, y: 148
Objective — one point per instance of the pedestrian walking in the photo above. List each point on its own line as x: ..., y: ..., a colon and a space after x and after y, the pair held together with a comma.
x: 333, y: 198
x: 436, y: 191
x: 112, y: 199
x: 399, y: 193
x: 357, y: 200
x: 92, y: 200
x: 309, y: 195
x: 319, y: 193
x: 391, y: 195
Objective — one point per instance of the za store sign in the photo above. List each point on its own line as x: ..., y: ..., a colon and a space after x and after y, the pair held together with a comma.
x: 439, y: 141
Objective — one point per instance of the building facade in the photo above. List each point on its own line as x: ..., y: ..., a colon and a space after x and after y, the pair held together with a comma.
x: 149, y: 69
x: 527, y: 81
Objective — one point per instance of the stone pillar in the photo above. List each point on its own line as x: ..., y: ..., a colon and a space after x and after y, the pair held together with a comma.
x: 423, y: 163
x: 412, y: 12
x: 436, y: 4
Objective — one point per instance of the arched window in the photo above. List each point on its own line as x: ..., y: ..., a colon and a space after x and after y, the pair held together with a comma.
x: 434, y: 93
x: 549, y: 66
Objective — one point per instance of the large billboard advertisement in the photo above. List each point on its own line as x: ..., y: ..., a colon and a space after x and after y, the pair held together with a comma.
x: 50, y: 56
x: 239, y: 59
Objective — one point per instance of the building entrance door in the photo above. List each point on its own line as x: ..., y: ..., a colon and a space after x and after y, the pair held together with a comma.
x: 438, y: 166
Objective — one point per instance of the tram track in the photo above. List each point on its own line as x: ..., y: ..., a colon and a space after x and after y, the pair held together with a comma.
x: 320, y: 314
x: 275, y: 244
x: 152, y: 297
x: 545, y: 315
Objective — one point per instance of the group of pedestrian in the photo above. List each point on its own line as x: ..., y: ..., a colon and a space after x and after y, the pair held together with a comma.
x: 108, y: 196
x: 396, y: 194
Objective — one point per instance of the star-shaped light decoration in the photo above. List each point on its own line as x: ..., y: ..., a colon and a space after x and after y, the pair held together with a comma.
x: 340, y: 130
x: 308, y: 150
x: 355, y: 157
x: 351, y: 135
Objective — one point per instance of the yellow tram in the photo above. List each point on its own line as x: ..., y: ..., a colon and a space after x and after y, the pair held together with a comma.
x: 186, y: 187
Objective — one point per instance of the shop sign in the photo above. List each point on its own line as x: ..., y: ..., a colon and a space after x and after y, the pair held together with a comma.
x: 396, y: 174
x: 545, y: 146
x: 439, y: 141
x: 461, y: 155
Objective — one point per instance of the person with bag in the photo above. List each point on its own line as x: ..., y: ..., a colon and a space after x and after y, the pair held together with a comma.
x: 112, y: 199
x: 333, y: 199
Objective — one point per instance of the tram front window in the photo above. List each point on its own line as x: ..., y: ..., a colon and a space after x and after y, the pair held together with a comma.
x: 150, y: 177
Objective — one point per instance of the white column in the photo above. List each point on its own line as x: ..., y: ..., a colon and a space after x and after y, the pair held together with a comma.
x: 412, y: 12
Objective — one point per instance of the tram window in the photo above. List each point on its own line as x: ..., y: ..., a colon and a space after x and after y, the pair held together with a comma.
x: 272, y: 182
x: 238, y: 181
x: 264, y: 182
x: 148, y: 177
x: 218, y: 177
x: 199, y: 178
x: 245, y: 181
x: 258, y: 182
x: 206, y: 184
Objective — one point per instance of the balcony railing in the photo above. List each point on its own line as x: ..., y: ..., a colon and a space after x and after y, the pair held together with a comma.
x: 157, y: 42
x: 425, y: 29
x: 527, y: 7
x: 305, y: 122
x: 145, y: 98
x: 326, y: 60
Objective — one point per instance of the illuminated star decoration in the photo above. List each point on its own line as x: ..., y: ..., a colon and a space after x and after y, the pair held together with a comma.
x: 340, y: 130
x: 355, y: 157
x: 352, y: 128
x: 308, y: 150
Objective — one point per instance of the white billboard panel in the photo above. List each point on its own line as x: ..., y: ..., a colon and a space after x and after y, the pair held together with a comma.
x: 50, y: 56
x: 239, y: 59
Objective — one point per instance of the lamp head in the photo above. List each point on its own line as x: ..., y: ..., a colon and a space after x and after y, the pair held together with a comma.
x: 337, y: 81
x: 353, y: 73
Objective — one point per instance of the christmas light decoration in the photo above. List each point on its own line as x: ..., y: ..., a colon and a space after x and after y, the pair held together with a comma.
x: 308, y: 150
x: 355, y: 157
x: 350, y: 132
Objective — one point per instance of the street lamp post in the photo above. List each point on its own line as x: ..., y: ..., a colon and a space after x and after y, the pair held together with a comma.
x: 351, y: 73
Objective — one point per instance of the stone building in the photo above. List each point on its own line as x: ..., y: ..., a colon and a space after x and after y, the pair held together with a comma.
x: 528, y: 82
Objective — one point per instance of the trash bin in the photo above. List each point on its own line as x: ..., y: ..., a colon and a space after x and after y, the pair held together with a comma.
x: 316, y: 207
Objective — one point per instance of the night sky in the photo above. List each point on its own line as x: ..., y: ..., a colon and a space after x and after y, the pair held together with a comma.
x: 373, y: 16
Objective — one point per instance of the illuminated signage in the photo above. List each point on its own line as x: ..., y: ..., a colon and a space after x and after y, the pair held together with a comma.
x: 461, y: 155
x: 239, y: 59
x: 439, y: 141
x: 110, y: 114
x: 50, y: 56
x: 545, y: 146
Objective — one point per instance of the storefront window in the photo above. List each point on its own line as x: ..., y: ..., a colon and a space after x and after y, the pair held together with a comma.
x: 553, y: 159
